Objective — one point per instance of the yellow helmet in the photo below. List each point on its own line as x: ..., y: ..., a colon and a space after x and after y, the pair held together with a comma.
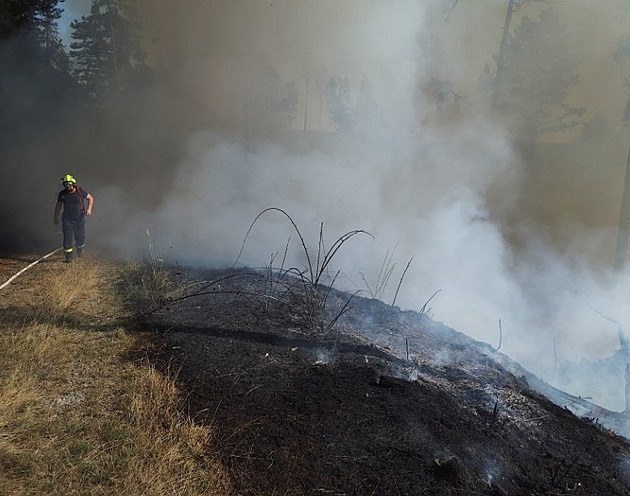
x: 68, y: 179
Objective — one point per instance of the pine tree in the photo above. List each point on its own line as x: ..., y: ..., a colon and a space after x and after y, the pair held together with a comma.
x: 35, y: 23
x: 536, y: 74
x: 18, y: 15
x: 45, y: 23
x: 35, y: 91
x: 35, y: 67
x: 622, y: 55
x: 106, y: 50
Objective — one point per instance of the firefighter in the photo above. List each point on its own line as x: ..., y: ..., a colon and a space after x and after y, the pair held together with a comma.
x: 73, y: 199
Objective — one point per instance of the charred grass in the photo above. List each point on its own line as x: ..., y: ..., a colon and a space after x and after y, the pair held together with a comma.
x: 91, y: 403
x: 82, y: 410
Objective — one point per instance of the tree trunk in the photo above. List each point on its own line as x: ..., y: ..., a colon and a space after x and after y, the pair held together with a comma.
x: 306, y: 100
x: 501, y: 59
x: 621, y: 251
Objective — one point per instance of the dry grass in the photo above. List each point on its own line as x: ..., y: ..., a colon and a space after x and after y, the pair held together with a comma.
x: 147, y: 286
x: 76, y: 415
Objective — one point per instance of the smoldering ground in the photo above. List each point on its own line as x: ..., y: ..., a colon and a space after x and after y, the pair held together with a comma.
x: 196, y: 158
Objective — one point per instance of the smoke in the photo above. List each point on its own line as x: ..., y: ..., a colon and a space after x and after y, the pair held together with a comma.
x: 624, y: 469
x: 194, y: 160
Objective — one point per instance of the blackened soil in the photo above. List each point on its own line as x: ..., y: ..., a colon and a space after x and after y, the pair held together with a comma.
x: 384, y: 403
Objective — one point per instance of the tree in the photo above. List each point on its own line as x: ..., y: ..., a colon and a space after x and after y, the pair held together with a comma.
x: 106, y: 50
x: 23, y: 15
x: 621, y: 55
x: 268, y: 105
x: 501, y: 57
x: 339, y: 104
x: 35, y: 91
x: 512, y: 7
x: 46, y: 17
x: 35, y: 75
x: 33, y: 24
x: 536, y: 75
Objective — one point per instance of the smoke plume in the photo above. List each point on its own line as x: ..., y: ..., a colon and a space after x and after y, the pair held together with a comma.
x: 239, y: 120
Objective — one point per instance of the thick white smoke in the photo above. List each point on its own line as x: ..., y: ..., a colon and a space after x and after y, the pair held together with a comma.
x: 418, y: 186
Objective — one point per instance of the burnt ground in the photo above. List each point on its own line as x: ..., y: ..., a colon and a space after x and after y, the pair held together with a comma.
x: 386, y: 402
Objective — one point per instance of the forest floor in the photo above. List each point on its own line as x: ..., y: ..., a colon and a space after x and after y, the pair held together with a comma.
x: 275, y: 400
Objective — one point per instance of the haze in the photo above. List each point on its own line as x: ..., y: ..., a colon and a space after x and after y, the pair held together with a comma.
x: 509, y: 221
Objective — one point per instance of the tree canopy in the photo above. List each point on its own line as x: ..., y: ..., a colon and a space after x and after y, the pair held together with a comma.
x: 17, y: 15
x: 106, y: 50
x: 537, y: 77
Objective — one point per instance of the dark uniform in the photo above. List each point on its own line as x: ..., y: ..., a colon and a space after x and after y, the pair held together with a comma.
x: 73, y: 219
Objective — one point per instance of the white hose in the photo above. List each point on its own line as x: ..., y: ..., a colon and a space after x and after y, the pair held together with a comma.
x: 28, y: 267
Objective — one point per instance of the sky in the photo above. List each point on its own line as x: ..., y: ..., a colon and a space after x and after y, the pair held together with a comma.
x: 72, y: 10
x: 197, y: 161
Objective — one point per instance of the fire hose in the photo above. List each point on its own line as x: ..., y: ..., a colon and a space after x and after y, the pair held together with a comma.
x: 6, y: 283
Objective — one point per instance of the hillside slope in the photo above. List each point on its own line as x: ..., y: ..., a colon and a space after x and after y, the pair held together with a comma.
x: 269, y: 399
x: 387, y: 402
